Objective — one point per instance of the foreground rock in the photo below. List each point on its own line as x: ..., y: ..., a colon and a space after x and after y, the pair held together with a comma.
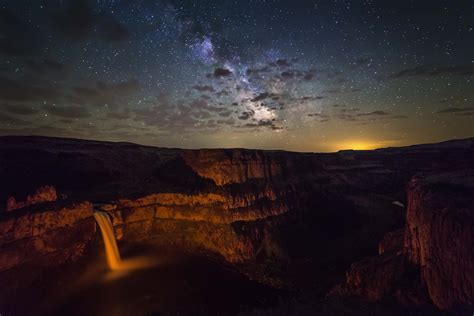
x: 49, y: 236
x: 206, y: 221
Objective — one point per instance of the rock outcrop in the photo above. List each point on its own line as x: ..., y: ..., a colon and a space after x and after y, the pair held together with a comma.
x: 374, y: 278
x: 43, y: 194
x: 234, y: 166
x: 439, y: 235
x: 50, y: 237
x: 438, y: 248
x: 208, y: 221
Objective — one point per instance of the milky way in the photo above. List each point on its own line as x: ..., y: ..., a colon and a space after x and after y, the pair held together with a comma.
x: 294, y: 75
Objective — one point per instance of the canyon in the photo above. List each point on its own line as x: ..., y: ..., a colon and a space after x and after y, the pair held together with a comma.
x: 388, y: 226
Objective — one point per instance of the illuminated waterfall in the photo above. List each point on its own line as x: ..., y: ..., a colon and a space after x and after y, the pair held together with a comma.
x: 110, y: 243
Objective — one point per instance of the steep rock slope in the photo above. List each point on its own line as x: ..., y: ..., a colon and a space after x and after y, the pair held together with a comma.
x: 49, y: 236
x: 434, y: 257
x: 439, y: 236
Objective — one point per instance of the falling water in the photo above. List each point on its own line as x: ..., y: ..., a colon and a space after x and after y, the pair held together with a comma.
x: 110, y: 243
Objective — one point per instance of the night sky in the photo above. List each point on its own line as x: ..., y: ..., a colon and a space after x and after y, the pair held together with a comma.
x: 294, y: 75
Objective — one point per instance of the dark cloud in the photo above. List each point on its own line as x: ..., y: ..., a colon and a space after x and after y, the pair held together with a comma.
x: 283, y: 63
x: 67, y: 112
x: 307, y: 98
x: 374, y: 113
x: 308, y: 77
x: 19, y: 109
x: 341, y: 90
x: 456, y: 110
x: 264, y: 123
x: 9, y: 19
x: 9, y: 120
x: 287, y: 75
x: 319, y: 117
x: 346, y: 117
x: 433, y: 70
x: 261, y: 96
x: 85, y: 92
x: 352, y: 114
x: 203, y: 88
x: 103, y: 93
x: 46, y: 66
x: 399, y: 117
x: 350, y: 110
x: 17, y: 38
x: 78, y: 21
x: 124, y: 87
x: 119, y: 115
x: 222, y: 72
x: 246, y: 115
x: 257, y: 71
x: 109, y: 29
x: 21, y: 90
x: 225, y: 113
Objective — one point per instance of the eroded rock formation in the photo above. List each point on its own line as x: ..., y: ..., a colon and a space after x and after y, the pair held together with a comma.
x: 439, y: 235
x: 46, y: 236
x: 438, y: 247
x: 234, y: 166
x: 43, y: 194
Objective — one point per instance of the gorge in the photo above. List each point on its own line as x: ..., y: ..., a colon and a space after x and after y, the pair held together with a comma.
x: 279, y: 230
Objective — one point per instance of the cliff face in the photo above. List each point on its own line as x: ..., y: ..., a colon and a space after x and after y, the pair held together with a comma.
x: 233, y: 166
x: 374, y: 278
x: 439, y: 236
x: 50, y: 236
x: 207, y: 221
x: 43, y: 194
x: 438, y: 247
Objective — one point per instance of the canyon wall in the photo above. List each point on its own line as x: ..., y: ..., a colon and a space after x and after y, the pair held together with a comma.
x: 435, y: 250
x: 48, y: 236
x: 439, y: 236
x: 234, y: 166
x: 251, y: 206
x: 208, y: 221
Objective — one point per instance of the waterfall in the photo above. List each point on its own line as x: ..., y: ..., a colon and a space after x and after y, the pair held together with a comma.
x: 110, y: 243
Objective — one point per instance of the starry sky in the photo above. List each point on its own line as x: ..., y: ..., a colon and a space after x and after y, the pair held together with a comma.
x: 293, y: 75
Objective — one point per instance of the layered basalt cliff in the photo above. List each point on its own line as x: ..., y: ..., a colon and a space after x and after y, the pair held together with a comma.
x: 439, y: 236
x: 43, y: 194
x: 234, y: 166
x: 436, y: 250
x: 50, y: 235
x: 208, y: 221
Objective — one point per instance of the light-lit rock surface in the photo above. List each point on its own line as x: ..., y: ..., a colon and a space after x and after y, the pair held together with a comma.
x: 33, y: 236
x: 438, y: 248
x: 439, y: 236
x: 43, y: 194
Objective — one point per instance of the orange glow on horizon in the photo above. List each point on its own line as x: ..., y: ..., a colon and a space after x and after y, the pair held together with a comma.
x: 363, y: 145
